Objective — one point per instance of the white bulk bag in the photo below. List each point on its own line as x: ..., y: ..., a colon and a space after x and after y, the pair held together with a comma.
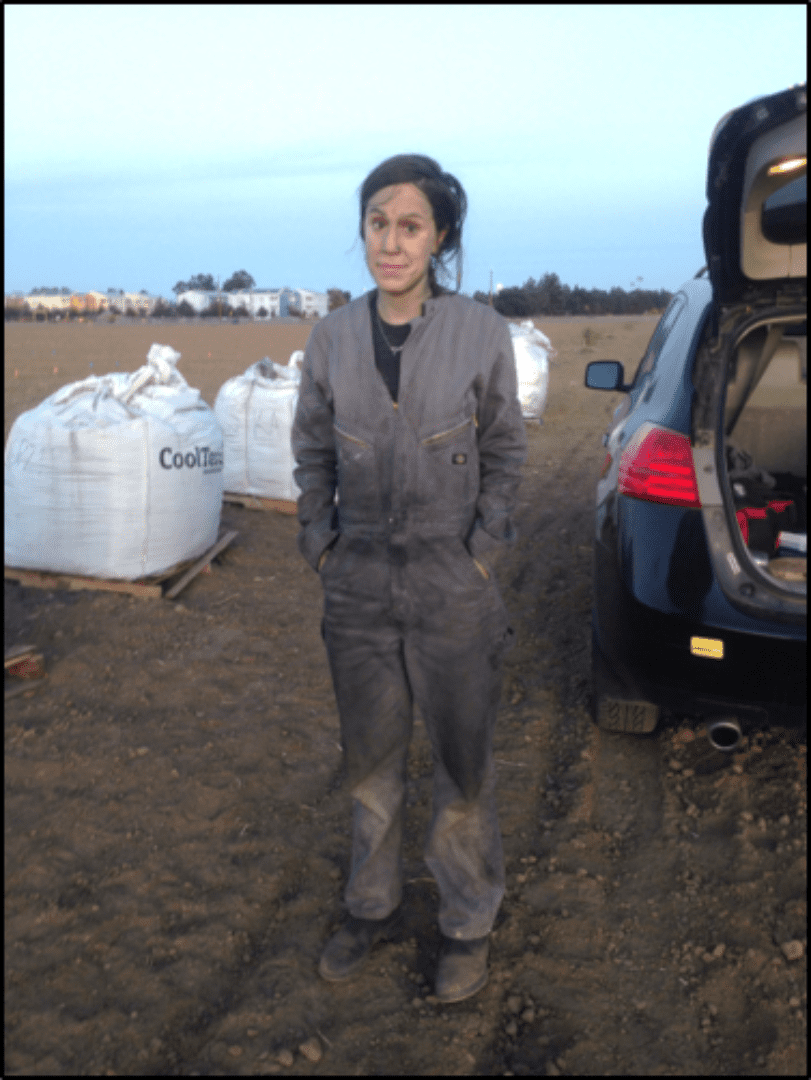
x: 116, y: 476
x: 256, y: 412
x: 532, y: 350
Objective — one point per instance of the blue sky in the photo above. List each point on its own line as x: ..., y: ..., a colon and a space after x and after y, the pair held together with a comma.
x: 147, y: 143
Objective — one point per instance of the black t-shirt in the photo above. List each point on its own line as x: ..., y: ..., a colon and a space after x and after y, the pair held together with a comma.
x: 388, y: 363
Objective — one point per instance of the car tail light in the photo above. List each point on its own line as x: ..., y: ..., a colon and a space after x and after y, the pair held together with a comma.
x: 657, y: 465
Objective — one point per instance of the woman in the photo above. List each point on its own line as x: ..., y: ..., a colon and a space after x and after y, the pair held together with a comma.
x: 408, y: 412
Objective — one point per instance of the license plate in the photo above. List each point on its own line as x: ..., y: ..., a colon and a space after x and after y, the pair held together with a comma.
x: 634, y: 717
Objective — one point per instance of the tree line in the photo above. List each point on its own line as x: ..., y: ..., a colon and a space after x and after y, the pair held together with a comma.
x: 549, y: 296
x: 239, y: 281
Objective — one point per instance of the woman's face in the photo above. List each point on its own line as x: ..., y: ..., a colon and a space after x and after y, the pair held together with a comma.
x: 401, y: 237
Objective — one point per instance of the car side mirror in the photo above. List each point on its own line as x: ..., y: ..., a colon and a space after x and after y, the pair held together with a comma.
x: 606, y: 375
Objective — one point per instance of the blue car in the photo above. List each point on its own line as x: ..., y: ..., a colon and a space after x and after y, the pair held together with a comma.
x: 700, y: 541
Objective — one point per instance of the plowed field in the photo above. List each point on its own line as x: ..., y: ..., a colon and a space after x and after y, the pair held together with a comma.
x: 177, y: 836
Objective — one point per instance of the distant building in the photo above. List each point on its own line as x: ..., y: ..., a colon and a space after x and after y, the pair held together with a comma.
x: 256, y: 300
x: 52, y: 304
x: 274, y: 302
x: 15, y: 301
x: 307, y: 302
x: 140, y: 303
x: 196, y: 299
x: 92, y: 302
x: 95, y: 301
x: 259, y: 303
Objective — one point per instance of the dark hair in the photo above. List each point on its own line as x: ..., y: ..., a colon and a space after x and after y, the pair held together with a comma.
x: 443, y: 191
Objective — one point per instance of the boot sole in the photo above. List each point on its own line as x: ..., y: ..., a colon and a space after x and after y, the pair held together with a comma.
x: 463, y: 995
x: 333, y: 977
x: 330, y: 975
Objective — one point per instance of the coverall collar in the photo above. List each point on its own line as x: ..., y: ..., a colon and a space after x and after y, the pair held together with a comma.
x: 428, y: 308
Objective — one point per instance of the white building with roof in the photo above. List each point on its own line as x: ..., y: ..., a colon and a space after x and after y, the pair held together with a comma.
x: 312, y: 303
x: 274, y: 302
x: 141, y: 303
x: 198, y: 299
x: 48, y: 303
x: 255, y: 301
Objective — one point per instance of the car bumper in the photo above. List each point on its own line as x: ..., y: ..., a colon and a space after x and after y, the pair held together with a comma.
x: 687, y: 665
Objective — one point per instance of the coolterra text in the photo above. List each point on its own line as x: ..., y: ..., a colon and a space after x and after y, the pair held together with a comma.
x: 202, y: 457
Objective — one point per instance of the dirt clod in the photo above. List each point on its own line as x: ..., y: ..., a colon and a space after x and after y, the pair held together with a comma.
x: 311, y: 1050
x: 793, y: 950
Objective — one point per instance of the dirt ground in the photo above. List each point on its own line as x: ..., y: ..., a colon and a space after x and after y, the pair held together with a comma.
x: 177, y: 837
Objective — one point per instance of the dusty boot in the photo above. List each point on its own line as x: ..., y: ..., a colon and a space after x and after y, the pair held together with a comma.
x: 462, y: 969
x: 348, y: 950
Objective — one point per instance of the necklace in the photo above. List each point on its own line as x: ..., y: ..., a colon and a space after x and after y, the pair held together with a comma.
x: 394, y: 351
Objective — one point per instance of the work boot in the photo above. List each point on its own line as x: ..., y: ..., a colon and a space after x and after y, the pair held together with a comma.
x: 348, y: 950
x: 462, y: 970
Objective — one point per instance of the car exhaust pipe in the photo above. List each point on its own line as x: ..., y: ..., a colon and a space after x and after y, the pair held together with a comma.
x: 725, y: 734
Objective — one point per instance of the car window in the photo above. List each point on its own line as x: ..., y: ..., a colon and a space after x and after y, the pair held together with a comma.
x: 663, y: 328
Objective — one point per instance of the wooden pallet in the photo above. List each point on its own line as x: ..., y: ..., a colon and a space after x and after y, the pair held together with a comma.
x: 169, y: 584
x: 260, y: 502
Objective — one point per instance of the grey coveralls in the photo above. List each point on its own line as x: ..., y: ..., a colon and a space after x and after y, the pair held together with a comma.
x: 425, y: 488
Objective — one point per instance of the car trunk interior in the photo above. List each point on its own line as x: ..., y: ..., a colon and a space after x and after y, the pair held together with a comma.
x: 766, y: 447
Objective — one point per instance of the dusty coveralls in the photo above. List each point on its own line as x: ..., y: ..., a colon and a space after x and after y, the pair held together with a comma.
x: 425, y: 486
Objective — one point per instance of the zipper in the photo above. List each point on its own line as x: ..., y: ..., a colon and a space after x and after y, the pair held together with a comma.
x: 451, y: 431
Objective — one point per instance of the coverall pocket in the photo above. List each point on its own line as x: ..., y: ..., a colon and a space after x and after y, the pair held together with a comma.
x: 474, y: 569
x: 327, y: 555
x: 481, y: 568
x: 334, y: 559
x: 485, y: 573
x: 357, y: 473
x: 449, y: 466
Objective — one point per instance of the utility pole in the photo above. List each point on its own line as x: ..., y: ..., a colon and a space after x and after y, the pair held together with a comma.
x: 491, y: 288
x: 219, y: 299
